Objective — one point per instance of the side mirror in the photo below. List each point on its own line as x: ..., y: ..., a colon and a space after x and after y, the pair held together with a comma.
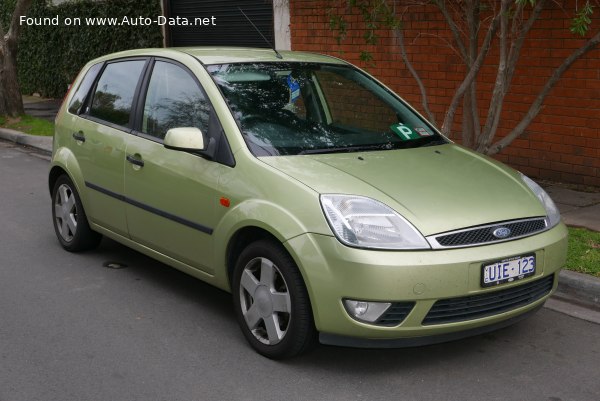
x: 184, y: 138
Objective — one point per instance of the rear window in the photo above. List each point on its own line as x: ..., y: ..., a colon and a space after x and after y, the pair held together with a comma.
x: 114, y: 93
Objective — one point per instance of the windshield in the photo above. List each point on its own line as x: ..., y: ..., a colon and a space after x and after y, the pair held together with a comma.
x: 307, y: 108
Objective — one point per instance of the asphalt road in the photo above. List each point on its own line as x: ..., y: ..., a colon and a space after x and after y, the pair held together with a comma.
x: 72, y: 329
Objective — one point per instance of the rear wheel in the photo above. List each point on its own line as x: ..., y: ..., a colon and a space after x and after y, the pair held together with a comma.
x: 70, y: 222
x: 271, y: 301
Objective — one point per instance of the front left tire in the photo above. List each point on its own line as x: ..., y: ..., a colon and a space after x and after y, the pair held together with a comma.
x: 271, y: 301
x: 70, y: 221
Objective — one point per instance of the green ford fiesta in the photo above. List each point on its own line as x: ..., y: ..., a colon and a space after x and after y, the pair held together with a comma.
x: 325, y: 204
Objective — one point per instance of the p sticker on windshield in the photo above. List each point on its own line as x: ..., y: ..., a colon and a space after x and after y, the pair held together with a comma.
x: 405, y: 133
x: 294, y: 88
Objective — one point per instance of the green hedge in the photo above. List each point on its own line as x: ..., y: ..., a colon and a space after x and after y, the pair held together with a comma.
x: 50, y: 57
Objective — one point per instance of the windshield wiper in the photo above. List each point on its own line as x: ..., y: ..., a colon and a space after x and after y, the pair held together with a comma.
x: 343, y: 149
x: 434, y: 142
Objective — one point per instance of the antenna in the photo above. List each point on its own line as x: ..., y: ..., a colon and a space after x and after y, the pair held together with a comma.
x: 260, y: 33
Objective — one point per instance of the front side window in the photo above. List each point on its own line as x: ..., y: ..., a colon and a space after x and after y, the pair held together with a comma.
x: 113, y: 98
x: 304, y: 108
x: 174, y: 99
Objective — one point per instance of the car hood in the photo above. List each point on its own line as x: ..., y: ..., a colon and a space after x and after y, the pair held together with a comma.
x: 437, y: 188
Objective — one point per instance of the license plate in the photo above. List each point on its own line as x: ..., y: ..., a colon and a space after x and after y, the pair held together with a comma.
x: 507, y: 270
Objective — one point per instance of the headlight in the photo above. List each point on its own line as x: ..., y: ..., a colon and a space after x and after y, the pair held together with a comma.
x: 366, y: 223
x: 551, y: 210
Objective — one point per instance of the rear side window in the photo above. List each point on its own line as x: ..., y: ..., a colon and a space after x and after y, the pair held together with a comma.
x: 113, y: 98
x: 83, y: 89
x: 174, y: 99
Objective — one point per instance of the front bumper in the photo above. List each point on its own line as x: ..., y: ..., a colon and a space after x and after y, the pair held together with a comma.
x: 333, y: 272
x: 405, y: 342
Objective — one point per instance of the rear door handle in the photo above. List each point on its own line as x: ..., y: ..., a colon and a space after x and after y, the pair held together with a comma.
x: 134, y: 160
x: 78, y: 136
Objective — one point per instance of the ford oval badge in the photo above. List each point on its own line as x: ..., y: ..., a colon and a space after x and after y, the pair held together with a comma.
x: 501, y: 232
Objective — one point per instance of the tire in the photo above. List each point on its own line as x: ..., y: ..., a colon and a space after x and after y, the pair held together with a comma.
x: 69, y: 219
x: 271, y: 301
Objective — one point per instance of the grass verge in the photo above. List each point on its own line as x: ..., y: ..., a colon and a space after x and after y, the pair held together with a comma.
x: 29, y: 125
x: 584, y: 251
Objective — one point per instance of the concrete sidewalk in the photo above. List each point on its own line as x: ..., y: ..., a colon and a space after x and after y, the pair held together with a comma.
x: 578, y: 294
x: 578, y: 209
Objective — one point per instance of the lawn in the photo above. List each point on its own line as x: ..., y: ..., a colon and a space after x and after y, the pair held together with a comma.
x: 584, y: 251
x: 29, y: 125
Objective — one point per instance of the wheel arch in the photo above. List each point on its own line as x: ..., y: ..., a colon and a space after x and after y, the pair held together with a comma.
x: 240, y: 240
x: 55, y: 172
x: 64, y: 162
x: 248, y: 221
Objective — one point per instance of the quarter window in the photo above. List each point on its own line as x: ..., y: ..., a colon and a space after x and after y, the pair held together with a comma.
x: 113, y: 98
x: 174, y: 100
x: 84, y: 89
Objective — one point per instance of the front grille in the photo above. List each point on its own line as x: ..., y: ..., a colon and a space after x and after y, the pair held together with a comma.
x: 395, y: 314
x: 485, y: 234
x: 488, y: 304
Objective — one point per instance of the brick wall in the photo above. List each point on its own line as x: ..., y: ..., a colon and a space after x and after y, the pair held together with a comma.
x: 562, y: 143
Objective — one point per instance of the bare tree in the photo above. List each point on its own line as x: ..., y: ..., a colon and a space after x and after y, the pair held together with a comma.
x: 11, y: 101
x: 507, y: 21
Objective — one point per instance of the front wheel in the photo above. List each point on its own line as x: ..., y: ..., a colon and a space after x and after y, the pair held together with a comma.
x: 271, y: 301
x: 70, y: 222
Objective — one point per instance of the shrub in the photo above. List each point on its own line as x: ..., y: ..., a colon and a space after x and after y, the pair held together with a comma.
x: 50, y: 56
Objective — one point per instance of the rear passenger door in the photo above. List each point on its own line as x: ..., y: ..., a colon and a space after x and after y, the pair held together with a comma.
x: 105, y: 123
x: 172, y: 195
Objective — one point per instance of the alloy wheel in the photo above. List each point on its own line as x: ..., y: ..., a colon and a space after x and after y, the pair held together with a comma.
x: 265, y: 301
x: 65, y: 212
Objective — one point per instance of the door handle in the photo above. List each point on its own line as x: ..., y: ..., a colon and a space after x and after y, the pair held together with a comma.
x: 135, y: 161
x: 78, y: 136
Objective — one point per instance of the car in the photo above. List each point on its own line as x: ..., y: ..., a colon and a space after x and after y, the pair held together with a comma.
x: 327, y: 206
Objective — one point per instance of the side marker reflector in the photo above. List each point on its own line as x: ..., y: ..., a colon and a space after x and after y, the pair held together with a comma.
x: 225, y: 201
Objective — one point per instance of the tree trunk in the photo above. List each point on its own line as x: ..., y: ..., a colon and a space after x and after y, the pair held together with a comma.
x: 12, y: 104
x: 11, y: 101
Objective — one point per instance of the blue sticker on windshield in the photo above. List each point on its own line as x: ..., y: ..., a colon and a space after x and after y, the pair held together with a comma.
x: 294, y: 88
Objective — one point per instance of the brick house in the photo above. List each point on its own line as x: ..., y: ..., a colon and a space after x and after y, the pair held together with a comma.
x: 562, y: 143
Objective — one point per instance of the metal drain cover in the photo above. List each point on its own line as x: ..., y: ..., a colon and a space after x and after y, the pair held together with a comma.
x: 114, y: 265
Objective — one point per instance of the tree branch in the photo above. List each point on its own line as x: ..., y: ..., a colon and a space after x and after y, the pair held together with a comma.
x: 453, y: 27
x: 537, y: 104
x: 500, y: 86
x: 517, y: 44
x: 424, y: 101
x: 446, y: 126
x: 471, y: 122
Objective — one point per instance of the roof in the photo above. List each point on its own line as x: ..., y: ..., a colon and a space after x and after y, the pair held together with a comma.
x: 224, y: 55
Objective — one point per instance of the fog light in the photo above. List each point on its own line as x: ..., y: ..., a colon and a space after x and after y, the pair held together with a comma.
x: 365, y: 311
